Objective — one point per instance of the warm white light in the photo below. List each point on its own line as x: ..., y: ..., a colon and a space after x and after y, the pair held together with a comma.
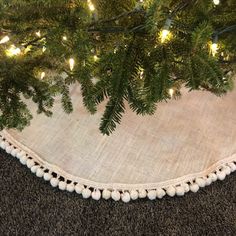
x: 38, y: 33
x: 214, y: 48
x: 43, y: 74
x: 71, y: 63
x: 91, y: 6
x: 216, y: 2
x: 4, y: 40
x: 96, y: 58
x: 171, y: 92
x: 44, y: 49
x: 64, y: 38
x: 13, y: 51
x: 164, y: 35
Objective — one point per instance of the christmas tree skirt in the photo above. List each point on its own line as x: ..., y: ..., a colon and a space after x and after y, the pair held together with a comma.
x: 187, y: 144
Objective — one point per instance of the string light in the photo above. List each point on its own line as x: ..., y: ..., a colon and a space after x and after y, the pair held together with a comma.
x: 216, y: 2
x: 71, y: 63
x: 64, y: 38
x: 13, y: 51
x: 214, y: 49
x: 96, y: 58
x: 165, y: 33
x: 214, y: 45
x: 91, y: 6
x: 43, y: 74
x: 4, y: 40
x: 171, y: 92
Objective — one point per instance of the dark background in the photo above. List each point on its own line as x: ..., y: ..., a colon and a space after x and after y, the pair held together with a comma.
x: 30, y: 206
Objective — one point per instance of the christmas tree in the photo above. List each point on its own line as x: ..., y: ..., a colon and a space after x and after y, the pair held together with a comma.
x: 121, y: 52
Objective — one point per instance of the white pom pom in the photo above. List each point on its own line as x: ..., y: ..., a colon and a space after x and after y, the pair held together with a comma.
x: 96, y: 194
x: 86, y: 193
x: 232, y: 166
x: 171, y: 191
x: 70, y: 187
x: 23, y: 160
x: 125, y: 197
x: 227, y: 170
x: 152, y: 194
x: 180, y: 191
x: 34, y: 168
x: 54, y: 182
x: 201, y: 182
x: 160, y: 193
x: 47, y: 176
x: 9, y: 149
x: 14, y: 151
x: 39, y: 173
x: 79, y: 188
x: 106, y: 194
x: 186, y: 187
x: 142, y: 193
x: 3, y: 145
x: 30, y: 163
x: 194, y: 187
x: 213, y: 177
x: 115, y: 195
x: 62, y: 185
x: 208, y: 180
x: 221, y: 175
x: 134, y: 194
x: 20, y: 154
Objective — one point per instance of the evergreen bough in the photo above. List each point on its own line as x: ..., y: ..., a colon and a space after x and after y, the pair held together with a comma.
x: 118, y: 53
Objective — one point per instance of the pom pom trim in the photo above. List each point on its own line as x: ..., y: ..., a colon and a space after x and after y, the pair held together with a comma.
x: 126, y: 193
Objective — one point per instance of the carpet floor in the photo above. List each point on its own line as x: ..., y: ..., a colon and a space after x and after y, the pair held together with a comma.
x: 30, y: 206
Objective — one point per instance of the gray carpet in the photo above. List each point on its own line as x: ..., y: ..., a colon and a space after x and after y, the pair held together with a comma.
x: 30, y: 206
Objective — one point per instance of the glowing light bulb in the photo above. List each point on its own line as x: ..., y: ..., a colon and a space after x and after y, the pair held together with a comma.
x: 216, y: 2
x: 38, y: 33
x: 164, y: 35
x: 64, y: 38
x: 13, y: 51
x: 91, y: 6
x: 214, y: 48
x: 96, y: 58
x: 43, y: 74
x: 171, y: 92
x: 71, y: 63
x: 4, y: 40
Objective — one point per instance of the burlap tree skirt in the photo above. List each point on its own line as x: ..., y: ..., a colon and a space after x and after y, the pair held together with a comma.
x: 187, y: 144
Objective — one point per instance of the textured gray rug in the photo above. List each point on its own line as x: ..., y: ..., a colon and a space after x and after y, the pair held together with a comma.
x: 30, y: 206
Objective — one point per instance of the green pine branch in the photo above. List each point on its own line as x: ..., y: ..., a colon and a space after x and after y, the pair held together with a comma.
x: 134, y: 69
